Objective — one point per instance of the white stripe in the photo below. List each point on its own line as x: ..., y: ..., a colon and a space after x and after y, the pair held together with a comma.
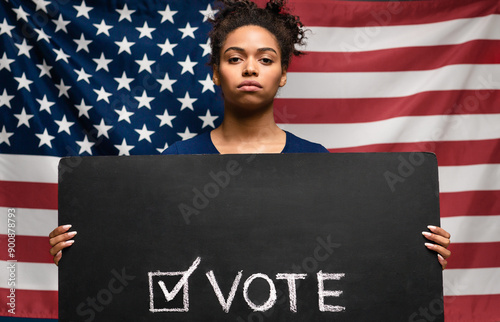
x: 29, y: 276
x: 376, y: 37
x: 30, y: 222
x: 474, y: 281
x: 391, y: 84
x: 469, y: 177
x: 407, y: 129
x: 473, y: 229
x: 28, y: 168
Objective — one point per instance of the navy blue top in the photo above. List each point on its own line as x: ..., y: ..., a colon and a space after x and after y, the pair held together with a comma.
x: 202, y: 144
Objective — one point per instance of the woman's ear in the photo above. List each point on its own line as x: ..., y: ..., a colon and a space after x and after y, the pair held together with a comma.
x: 216, y: 78
x: 283, y: 78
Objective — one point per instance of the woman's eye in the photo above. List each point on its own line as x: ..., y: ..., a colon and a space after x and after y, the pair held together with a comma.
x: 234, y: 59
x: 267, y: 60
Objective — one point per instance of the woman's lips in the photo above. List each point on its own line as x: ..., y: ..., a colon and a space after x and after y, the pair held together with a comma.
x: 249, y: 86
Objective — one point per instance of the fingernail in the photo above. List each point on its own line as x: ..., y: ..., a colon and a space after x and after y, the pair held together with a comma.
x: 431, y: 227
x: 70, y: 242
x: 429, y: 245
x: 440, y: 257
x: 72, y: 233
x: 426, y: 233
x: 67, y: 226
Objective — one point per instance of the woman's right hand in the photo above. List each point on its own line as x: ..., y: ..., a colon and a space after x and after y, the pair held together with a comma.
x: 60, y: 238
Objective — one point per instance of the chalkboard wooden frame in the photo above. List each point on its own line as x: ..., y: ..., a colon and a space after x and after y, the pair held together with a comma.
x: 209, y: 237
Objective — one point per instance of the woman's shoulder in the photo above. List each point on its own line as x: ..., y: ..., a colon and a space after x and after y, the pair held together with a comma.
x: 294, y: 144
x: 200, y: 144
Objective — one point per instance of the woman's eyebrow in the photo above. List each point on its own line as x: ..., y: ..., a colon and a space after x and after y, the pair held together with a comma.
x: 259, y: 49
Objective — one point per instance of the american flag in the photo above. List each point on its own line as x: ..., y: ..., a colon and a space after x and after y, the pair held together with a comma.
x: 130, y: 77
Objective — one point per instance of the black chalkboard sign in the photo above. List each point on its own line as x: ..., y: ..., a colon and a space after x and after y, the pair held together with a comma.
x: 294, y: 237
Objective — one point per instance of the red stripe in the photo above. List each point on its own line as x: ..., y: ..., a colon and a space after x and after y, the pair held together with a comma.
x: 449, y: 153
x: 470, y: 203
x: 312, y: 111
x: 399, y: 59
x: 28, y: 195
x: 31, y: 304
x: 390, y: 13
x: 474, y: 255
x: 472, y: 308
x: 32, y: 249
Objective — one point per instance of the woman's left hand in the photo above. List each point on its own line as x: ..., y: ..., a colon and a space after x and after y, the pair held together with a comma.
x: 442, y: 240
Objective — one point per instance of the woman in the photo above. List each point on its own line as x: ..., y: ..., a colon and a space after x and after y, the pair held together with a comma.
x: 251, y: 51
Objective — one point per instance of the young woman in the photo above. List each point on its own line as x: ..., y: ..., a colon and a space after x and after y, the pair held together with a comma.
x: 251, y: 51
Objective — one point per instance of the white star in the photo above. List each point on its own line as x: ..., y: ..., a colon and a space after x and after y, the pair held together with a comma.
x: 125, y: 13
x: 83, y: 109
x: 187, y: 65
x: 5, y: 99
x: 41, y: 5
x: 208, y: 84
x: 124, y: 45
x: 123, y: 148
x: 208, y: 120
x: 144, y: 134
x: 102, y: 94
x: 124, y: 115
x: 102, y: 129
x: 186, y: 135
x: 166, y: 83
x: 160, y: 150
x: 61, y: 55
x: 42, y: 35
x: 145, y: 31
x: 102, y: 63
x: 167, y: 47
x: 124, y: 81
x: 61, y: 24
x: 206, y: 48
x: 85, y: 145
x: 166, y: 118
x: 188, y: 31
x: 45, y: 138
x: 64, y: 125
x: 5, y: 28
x: 209, y: 13
x: 23, y: 82
x: 23, y: 118
x: 102, y: 28
x: 44, y: 69
x: 82, y: 75
x: 144, y: 100
x: 145, y: 64
x: 45, y: 104
x: 82, y: 43
x: 4, y: 136
x: 20, y: 13
x: 63, y: 89
x: 167, y: 14
x: 5, y: 62
x: 24, y: 49
x: 187, y: 102
x: 83, y: 10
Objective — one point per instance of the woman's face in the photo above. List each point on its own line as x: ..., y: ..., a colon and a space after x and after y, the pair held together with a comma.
x: 250, y: 71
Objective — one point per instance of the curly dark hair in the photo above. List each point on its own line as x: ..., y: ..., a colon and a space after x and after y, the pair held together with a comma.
x: 286, y: 27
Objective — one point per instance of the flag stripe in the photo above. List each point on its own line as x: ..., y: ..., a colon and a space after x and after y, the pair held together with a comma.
x: 27, y: 168
x: 32, y: 304
x: 354, y: 14
x: 28, y: 249
x: 448, y: 152
x: 375, y: 109
x: 470, y: 203
x: 31, y: 276
x: 423, y: 58
x: 474, y: 255
x: 474, y: 281
x: 383, y: 84
x: 473, y: 229
x: 469, y: 177
x: 472, y: 308
x: 28, y: 194
x: 30, y: 222
x: 441, y: 127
